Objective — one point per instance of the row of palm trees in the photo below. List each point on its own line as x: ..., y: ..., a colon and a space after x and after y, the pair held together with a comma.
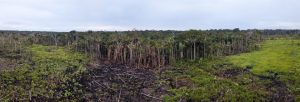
x: 150, y: 48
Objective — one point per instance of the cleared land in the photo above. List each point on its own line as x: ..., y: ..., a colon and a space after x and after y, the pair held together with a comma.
x: 268, y: 74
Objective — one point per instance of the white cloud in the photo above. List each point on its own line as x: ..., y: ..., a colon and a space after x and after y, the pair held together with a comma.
x: 65, y: 15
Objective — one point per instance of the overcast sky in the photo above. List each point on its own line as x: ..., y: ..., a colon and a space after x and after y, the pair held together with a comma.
x: 66, y: 15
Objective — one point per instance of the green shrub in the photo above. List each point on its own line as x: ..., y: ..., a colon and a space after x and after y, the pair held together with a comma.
x: 51, y: 73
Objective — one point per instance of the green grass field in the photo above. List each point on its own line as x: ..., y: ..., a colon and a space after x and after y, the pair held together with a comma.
x: 275, y: 55
x: 280, y: 56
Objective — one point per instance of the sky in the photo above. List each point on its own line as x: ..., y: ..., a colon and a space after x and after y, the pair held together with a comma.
x: 110, y: 15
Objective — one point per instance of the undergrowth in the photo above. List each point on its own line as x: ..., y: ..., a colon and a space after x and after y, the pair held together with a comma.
x: 46, y: 73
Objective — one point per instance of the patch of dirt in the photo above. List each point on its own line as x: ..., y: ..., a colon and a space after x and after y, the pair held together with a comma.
x: 232, y: 72
x: 278, y: 90
x: 6, y: 64
x: 120, y: 83
x: 184, y: 82
x: 8, y: 61
x: 220, y: 94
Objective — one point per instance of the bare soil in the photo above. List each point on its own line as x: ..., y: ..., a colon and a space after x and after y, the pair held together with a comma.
x: 121, y: 83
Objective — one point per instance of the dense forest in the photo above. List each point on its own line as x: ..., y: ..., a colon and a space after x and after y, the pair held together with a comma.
x: 74, y: 66
x: 143, y: 48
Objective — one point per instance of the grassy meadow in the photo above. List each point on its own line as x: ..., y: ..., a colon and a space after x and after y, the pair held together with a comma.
x: 279, y: 56
x: 275, y: 55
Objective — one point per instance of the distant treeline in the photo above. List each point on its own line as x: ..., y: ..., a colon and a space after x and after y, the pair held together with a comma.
x: 145, y: 48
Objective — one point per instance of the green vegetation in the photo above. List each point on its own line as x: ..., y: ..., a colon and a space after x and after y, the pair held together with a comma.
x: 195, y: 65
x: 47, y: 72
x: 153, y: 49
x: 280, y: 56
x: 204, y: 86
x: 275, y: 55
x: 255, y: 76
